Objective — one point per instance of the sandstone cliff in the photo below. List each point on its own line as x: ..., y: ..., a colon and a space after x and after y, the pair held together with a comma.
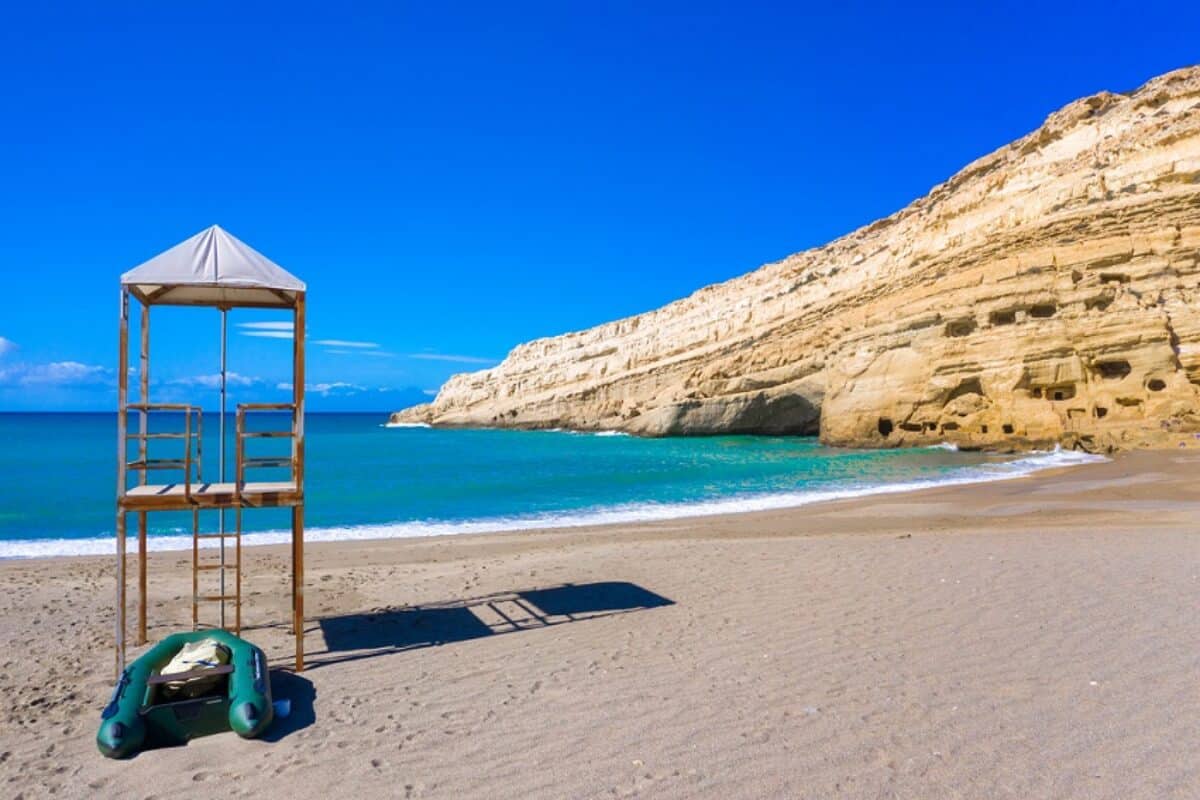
x: 1047, y: 293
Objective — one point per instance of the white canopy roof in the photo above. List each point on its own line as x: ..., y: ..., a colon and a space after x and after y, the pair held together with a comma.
x: 213, y: 268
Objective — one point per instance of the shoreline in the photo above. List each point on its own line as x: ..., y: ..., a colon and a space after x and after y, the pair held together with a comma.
x: 1024, y: 465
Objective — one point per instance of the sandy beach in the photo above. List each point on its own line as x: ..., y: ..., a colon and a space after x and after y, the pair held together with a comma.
x: 1033, y: 638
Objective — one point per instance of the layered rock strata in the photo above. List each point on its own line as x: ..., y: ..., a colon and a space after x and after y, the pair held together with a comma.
x: 1047, y: 293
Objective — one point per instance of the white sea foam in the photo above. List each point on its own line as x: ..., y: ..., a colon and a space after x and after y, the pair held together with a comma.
x: 622, y: 514
x: 568, y: 431
x: 575, y: 432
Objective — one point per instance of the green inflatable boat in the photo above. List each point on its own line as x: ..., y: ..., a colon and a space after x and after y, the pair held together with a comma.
x: 228, y: 690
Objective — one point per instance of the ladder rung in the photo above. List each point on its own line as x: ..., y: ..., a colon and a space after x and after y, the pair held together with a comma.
x: 136, y: 435
x: 161, y: 407
x: 215, y: 598
x: 158, y: 463
x: 215, y: 566
x: 267, y: 462
x: 267, y: 435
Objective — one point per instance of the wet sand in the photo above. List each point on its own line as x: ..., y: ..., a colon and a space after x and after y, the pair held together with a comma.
x: 1034, y: 638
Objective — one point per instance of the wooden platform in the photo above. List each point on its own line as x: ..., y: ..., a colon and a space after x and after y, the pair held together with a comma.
x: 172, y: 496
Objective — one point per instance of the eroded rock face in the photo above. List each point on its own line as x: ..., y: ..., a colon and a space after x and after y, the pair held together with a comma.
x: 1048, y: 293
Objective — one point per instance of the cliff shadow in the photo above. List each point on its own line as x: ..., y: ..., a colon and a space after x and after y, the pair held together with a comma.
x: 354, y: 636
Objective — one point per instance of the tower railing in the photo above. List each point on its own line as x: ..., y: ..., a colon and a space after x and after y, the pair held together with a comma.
x: 244, y: 461
x: 190, y: 434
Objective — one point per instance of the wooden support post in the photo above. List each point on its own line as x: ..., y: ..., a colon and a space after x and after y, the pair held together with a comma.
x: 141, y: 637
x: 298, y: 582
x: 120, y: 591
x: 298, y: 377
x: 195, y: 572
x: 237, y: 623
x: 143, y: 454
x: 122, y: 401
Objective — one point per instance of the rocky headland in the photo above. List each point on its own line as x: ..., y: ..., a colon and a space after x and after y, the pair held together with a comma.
x: 1049, y: 293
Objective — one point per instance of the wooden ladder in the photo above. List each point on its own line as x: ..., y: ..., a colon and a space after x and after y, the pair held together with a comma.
x: 221, y: 567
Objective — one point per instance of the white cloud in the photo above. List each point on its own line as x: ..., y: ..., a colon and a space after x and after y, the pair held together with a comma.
x: 56, y: 373
x: 447, y: 357
x: 7, y: 345
x: 267, y: 326
x: 285, y: 330
x: 371, y: 353
x: 340, y: 388
x: 269, y: 334
x: 214, y: 381
x: 334, y: 388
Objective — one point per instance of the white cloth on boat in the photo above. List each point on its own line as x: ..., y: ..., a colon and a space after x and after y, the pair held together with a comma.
x: 204, y: 654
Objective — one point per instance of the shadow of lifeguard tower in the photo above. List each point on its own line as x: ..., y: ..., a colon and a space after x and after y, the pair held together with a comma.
x: 350, y: 637
x: 212, y: 269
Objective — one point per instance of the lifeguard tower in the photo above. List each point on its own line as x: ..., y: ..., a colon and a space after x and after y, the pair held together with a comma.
x: 211, y: 269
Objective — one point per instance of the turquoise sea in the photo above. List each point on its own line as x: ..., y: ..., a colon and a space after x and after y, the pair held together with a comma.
x: 366, y: 480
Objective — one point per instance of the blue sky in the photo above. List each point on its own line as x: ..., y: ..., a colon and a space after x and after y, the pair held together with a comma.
x: 453, y: 179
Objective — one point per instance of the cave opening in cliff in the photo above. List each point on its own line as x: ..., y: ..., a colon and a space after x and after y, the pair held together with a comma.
x: 1007, y: 428
x: 960, y: 327
x: 885, y: 427
x: 1156, y: 384
x: 1003, y: 317
x: 1064, y: 392
x: 1043, y: 310
x: 966, y: 387
x: 1113, y: 370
